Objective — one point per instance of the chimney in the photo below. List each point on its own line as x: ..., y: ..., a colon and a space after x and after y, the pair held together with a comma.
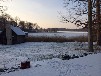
x: 8, y: 33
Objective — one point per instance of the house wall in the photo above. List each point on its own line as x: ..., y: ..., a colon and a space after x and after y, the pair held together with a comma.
x: 16, y: 39
x: 20, y: 39
x: 3, y: 39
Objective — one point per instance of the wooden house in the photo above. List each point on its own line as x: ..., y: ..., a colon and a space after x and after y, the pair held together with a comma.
x: 17, y: 36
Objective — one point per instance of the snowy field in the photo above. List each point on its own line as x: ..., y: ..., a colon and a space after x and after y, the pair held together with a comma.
x: 46, y: 60
x: 36, y: 51
x: 59, y: 34
x: 86, y: 66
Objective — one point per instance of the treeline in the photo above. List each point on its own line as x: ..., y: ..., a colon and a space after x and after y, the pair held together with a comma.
x: 24, y: 25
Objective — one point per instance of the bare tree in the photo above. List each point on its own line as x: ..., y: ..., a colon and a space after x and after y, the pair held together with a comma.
x: 22, y: 25
x: 98, y: 21
x: 2, y: 8
x: 77, y: 14
x: 90, y: 37
x: 17, y: 20
x: 29, y: 25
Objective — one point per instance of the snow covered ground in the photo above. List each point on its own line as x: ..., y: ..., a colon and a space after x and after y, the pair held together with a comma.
x: 59, y: 34
x: 86, y: 66
x: 35, y: 51
x: 46, y: 59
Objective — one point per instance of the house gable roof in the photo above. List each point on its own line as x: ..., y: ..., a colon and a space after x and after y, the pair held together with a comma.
x: 17, y: 30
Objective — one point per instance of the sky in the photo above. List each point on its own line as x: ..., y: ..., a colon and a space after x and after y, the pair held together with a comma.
x: 43, y: 12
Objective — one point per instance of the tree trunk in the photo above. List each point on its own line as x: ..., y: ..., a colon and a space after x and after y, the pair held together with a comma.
x: 98, y: 21
x: 90, y: 37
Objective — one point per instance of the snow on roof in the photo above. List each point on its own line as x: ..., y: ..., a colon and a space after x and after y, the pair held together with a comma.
x: 17, y: 30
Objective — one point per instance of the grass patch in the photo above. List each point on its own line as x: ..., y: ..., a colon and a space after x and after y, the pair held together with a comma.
x: 79, y: 39
x: 56, y: 39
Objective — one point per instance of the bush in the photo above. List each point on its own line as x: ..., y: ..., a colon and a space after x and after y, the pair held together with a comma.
x: 56, y: 39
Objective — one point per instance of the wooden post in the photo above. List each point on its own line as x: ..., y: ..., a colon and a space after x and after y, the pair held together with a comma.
x: 90, y: 37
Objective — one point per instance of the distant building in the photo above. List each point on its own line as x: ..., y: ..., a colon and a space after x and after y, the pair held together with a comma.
x: 18, y: 36
x: 55, y: 29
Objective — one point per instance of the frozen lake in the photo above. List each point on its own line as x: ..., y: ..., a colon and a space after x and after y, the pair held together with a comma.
x: 59, y: 34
